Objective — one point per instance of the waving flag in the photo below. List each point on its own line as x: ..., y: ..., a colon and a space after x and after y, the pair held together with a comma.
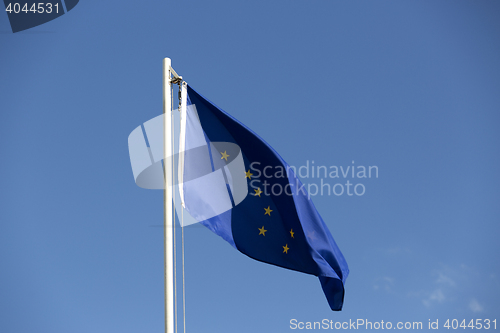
x: 267, y: 216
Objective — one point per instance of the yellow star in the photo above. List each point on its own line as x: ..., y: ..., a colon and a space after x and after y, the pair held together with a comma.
x: 291, y: 232
x: 286, y: 248
x: 268, y: 211
x: 248, y: 174
x: 224, y: 156
x: 262, y: 231
x: 258, y: 192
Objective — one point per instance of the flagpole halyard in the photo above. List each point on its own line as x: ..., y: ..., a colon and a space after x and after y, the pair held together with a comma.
x: 182, y: 109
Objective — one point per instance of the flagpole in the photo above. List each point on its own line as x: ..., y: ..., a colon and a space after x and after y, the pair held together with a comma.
x: 168, y: 210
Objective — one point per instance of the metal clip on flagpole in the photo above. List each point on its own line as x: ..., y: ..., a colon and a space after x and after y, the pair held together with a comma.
x: 169, y: 77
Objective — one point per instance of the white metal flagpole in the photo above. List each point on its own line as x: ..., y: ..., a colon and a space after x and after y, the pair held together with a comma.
x: 168, y: 211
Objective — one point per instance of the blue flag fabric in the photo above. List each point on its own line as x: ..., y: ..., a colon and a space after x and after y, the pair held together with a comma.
x: 276, y: 222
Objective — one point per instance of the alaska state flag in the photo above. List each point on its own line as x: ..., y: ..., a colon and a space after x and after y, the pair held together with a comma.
x: 236, y: 185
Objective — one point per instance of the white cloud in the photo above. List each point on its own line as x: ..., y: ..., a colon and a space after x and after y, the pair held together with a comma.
x: 450, y: 286
x: 445, y: 279
x: 388, y: 279
x: 474, y: 306
x: 385, y: 282
x: 444, y: 285
x: 437, y: 296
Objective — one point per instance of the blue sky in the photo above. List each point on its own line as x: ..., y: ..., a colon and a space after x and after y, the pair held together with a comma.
x: 410, y: 87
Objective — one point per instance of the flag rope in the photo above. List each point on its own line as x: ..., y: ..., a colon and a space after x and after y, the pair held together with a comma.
x: 182, y: 232
x: 173, y: 204
x: 183, y: 275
